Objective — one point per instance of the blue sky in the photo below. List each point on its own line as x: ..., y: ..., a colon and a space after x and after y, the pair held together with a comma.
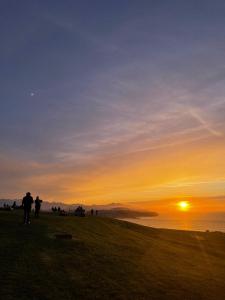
x: 87, y: 85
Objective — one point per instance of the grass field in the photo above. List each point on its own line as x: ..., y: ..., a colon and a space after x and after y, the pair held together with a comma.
x: 107, y: 259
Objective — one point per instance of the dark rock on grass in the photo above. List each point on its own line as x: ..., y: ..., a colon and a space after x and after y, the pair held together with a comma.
x: 63, y: 236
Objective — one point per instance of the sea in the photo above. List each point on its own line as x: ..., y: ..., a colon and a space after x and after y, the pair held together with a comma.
x: 207, y: 222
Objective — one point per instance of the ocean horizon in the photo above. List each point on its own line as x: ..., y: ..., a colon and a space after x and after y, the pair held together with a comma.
x: 210, y: 222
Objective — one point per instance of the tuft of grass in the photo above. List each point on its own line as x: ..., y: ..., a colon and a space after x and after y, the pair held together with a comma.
x: 107, y: 259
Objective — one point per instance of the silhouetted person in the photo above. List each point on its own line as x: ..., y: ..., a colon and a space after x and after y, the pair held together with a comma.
x: 92, y: 212
x: 37, y: 206
x: 27, y: 203
x: 96, y: 212
x: 14, y: 205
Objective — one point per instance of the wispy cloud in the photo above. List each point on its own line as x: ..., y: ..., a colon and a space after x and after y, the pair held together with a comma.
x: 206, y: 124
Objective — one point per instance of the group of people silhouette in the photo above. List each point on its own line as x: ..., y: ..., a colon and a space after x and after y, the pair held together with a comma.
x: 27, y: 205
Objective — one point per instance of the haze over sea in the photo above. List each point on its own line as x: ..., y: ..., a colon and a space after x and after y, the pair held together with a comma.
x: 211, y: 222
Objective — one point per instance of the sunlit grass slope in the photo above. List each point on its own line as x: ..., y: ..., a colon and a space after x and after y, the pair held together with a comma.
x: 107, y: 259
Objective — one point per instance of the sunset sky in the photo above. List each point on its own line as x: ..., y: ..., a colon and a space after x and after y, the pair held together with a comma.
x: 112, y: 101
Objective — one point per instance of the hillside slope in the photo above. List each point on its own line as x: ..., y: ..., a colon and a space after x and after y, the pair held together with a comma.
x: 107, y: 259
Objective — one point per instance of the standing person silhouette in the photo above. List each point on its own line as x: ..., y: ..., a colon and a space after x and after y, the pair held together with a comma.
x: 27, y: 203
x: 37, y: 206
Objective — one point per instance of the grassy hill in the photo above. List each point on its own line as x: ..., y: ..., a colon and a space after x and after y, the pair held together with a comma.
x: 107, y: 259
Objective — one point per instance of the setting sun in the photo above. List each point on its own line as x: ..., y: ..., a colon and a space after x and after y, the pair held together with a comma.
x: 184, y: 205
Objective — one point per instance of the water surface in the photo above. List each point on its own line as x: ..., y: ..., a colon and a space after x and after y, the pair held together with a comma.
x: 211, y: 222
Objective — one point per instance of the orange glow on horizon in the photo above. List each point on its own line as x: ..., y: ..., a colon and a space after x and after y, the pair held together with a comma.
x: 154, y: 180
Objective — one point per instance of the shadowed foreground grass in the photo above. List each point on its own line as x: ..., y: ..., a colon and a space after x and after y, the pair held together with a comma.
x: 107, y: 259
